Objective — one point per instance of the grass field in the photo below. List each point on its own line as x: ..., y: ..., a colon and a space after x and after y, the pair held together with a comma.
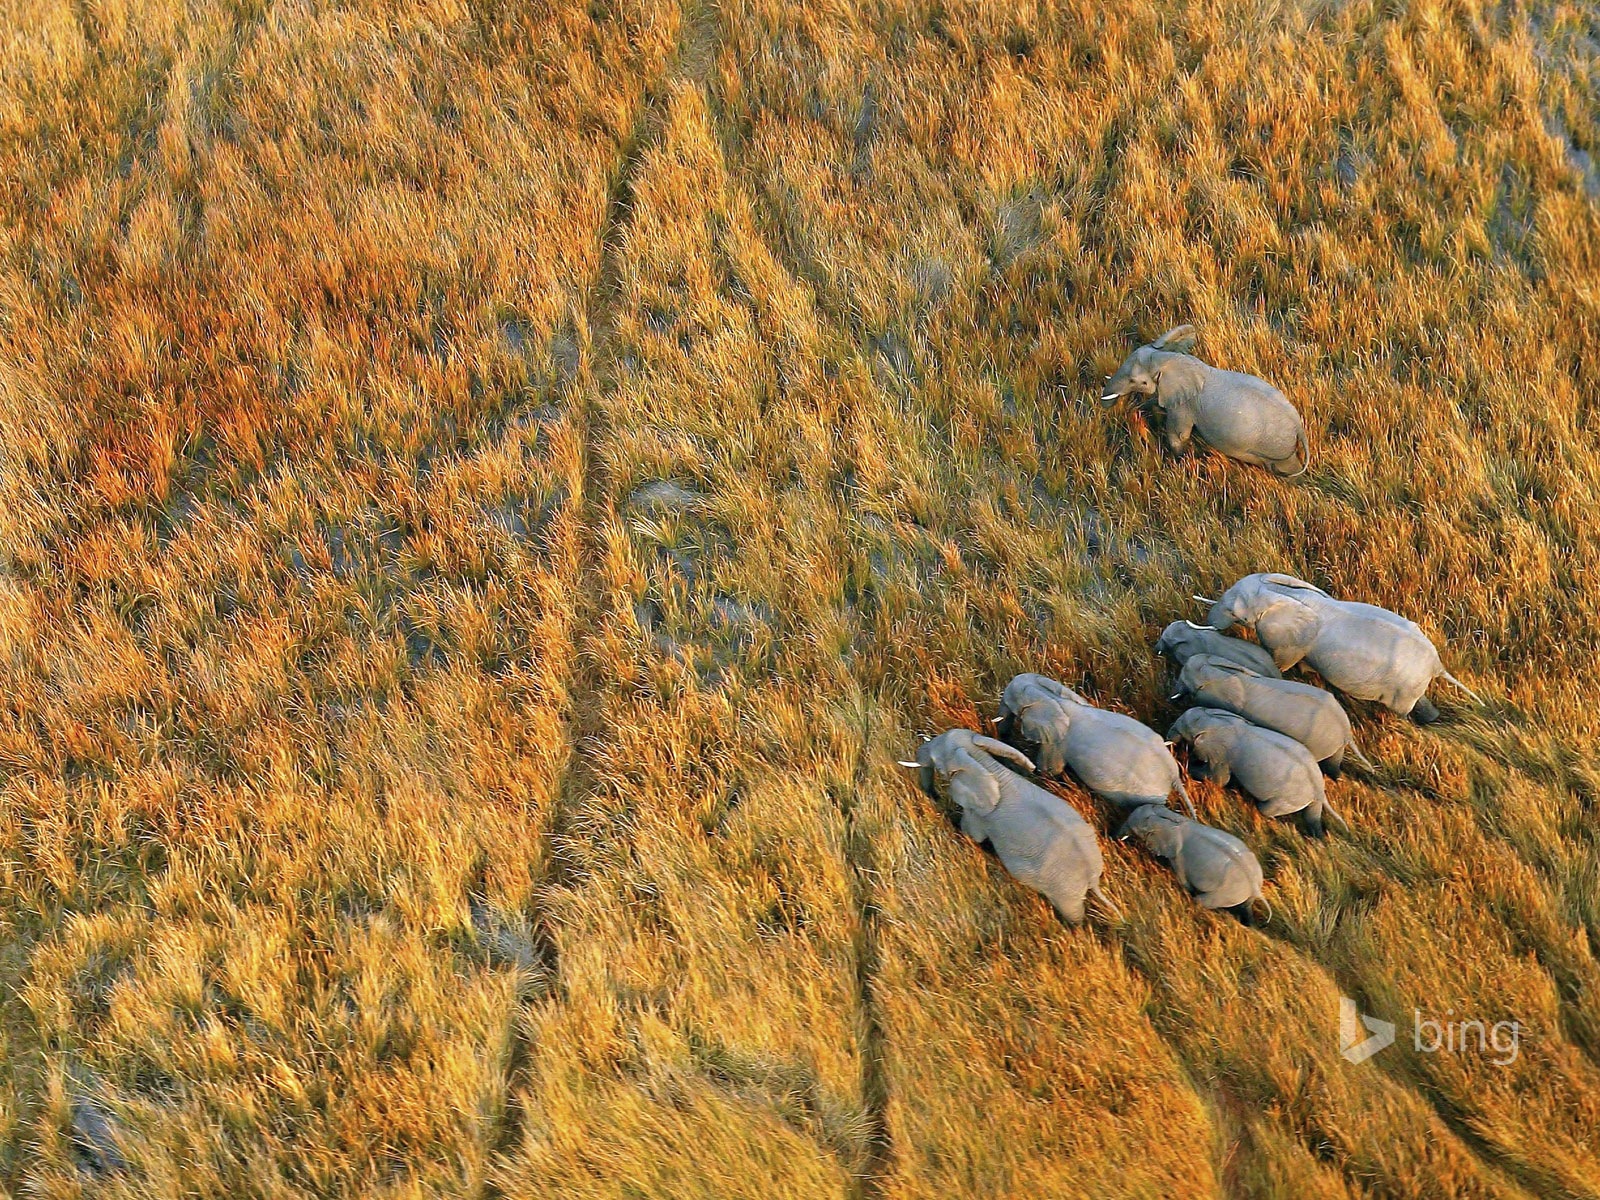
x: 488, y: 491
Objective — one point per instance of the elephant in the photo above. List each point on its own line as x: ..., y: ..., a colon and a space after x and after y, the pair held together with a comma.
x: 1182, y: 640
x: 1239, y: 415
x: 1309, y: 715
x: 1115, y: 757
x: 1277, y: 772
x: 1039, y: 837
x: 1367, y: 652
x: 1215, y: 867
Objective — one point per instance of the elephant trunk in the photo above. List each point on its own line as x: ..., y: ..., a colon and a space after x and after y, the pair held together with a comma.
x: 1219, y: 618
x: 1116, y: 387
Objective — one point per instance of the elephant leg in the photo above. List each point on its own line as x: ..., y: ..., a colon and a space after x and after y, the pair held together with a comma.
x: 1423, y: 712
x: 1333, y: 765
x: 1278, y: 807
x: 1182, y: 875
x: 1179, y: 428
x: 1070, y: 908
x: 1311, y: 820
x: 1216, y: 901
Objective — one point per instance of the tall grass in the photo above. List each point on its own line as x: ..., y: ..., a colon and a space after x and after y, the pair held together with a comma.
x: 486, y: 493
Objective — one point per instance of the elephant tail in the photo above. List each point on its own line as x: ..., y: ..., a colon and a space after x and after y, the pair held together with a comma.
x: 1107, y: 901
x: 1336, y: 815
x: 1449, y: 678
x: 1184, y: 796
x: 1360, y: 757
x: 1265, y: 903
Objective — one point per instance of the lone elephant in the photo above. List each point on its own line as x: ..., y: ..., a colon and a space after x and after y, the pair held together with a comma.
x: 1238, y: 415
x: 1214, y: 867
x: 1040, y: 838
x: 1115, y: 757
x: 1367, y: 652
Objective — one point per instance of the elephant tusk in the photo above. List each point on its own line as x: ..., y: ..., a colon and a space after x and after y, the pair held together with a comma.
x: 1175, y: 696
x: 1192, y: 625
x: 913, y: 765
x: 1203, y: 599
x: 1109, y: 396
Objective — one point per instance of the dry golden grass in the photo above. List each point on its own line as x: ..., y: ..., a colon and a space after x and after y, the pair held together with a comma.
x: 487, y: 491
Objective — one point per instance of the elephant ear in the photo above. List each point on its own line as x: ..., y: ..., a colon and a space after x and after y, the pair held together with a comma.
x: 1228, y: 666
x: 973, y: 788
x: 1044, y: 724
x: 1224, y: 681
x: 1161, y: 832
x: 1202, y: 669
x: 1287, y: 629
x: 1010, y: 755
x: 1291, y: 582
x: 1179, y: 339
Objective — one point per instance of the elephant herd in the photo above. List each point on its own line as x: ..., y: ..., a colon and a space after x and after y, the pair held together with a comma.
x: 1274, y: 738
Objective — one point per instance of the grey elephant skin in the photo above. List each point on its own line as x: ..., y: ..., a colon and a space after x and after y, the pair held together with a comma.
x: 1115, y: 757
x: 1182, y: 640
x: 1215, y: 867
x: 1277, y: 772
x: 1238, y: 415
x: 1040, y: 838
x: 1367, y: 652
x: 1309, y: 715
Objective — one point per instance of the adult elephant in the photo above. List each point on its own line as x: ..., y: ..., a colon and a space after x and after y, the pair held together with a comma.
x: 1364, y: 651
x: 1235, y: 414
x: 1039, y: 837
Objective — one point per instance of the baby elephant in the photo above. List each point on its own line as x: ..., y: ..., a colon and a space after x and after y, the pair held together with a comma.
x: 1276, y: 771
x: 1308, y: 714
x: 1366, y: 652
x: 1039, y: 837
x: 1114, y: 756
x: 1182, y: 640
x: 1216, y: 868
x: 1239, y: 415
